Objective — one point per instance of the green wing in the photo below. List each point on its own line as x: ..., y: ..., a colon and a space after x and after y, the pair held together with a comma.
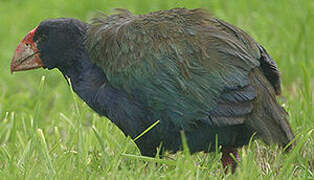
x: 186, y: 66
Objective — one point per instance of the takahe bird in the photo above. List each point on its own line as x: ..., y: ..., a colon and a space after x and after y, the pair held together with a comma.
x: 191, y: 71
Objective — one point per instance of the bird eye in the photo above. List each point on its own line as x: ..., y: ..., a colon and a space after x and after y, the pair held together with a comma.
x: 27, y: 44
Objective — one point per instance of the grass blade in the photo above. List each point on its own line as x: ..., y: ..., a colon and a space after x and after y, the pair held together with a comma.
x: 45, y: 150
x: 100, y: 140
x: 150, y: 159
x: 146, y: 130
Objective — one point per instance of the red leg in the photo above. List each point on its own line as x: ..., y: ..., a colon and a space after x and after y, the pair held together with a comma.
x: 227, y: 160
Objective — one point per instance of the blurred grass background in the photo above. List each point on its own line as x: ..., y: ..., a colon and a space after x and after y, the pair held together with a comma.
x: 44, y: 135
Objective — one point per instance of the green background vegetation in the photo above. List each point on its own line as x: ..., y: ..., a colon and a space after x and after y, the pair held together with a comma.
x: 46, y: 132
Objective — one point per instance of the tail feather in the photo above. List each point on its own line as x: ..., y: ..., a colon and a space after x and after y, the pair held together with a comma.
x: 268, y: 119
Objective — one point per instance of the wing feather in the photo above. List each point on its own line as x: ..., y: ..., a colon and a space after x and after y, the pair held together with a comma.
x: 184, y: 65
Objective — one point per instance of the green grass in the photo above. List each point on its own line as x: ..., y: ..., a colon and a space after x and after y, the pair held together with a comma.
x: 46, y: 132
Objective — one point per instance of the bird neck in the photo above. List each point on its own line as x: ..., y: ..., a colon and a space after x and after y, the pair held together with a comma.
x: 85, y: 77
x: 90, y: 83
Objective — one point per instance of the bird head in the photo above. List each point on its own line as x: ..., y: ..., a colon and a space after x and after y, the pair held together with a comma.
x: 53, y: 43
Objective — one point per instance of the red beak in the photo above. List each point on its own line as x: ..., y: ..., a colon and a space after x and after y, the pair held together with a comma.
x: 26, y: 55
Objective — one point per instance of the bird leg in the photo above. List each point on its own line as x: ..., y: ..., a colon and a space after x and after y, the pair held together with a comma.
x: 227, y: 160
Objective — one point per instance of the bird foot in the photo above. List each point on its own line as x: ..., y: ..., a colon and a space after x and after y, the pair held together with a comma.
x: 227, y: 159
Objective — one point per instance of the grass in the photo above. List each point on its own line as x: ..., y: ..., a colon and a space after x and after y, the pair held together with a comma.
x: 47, y: 132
